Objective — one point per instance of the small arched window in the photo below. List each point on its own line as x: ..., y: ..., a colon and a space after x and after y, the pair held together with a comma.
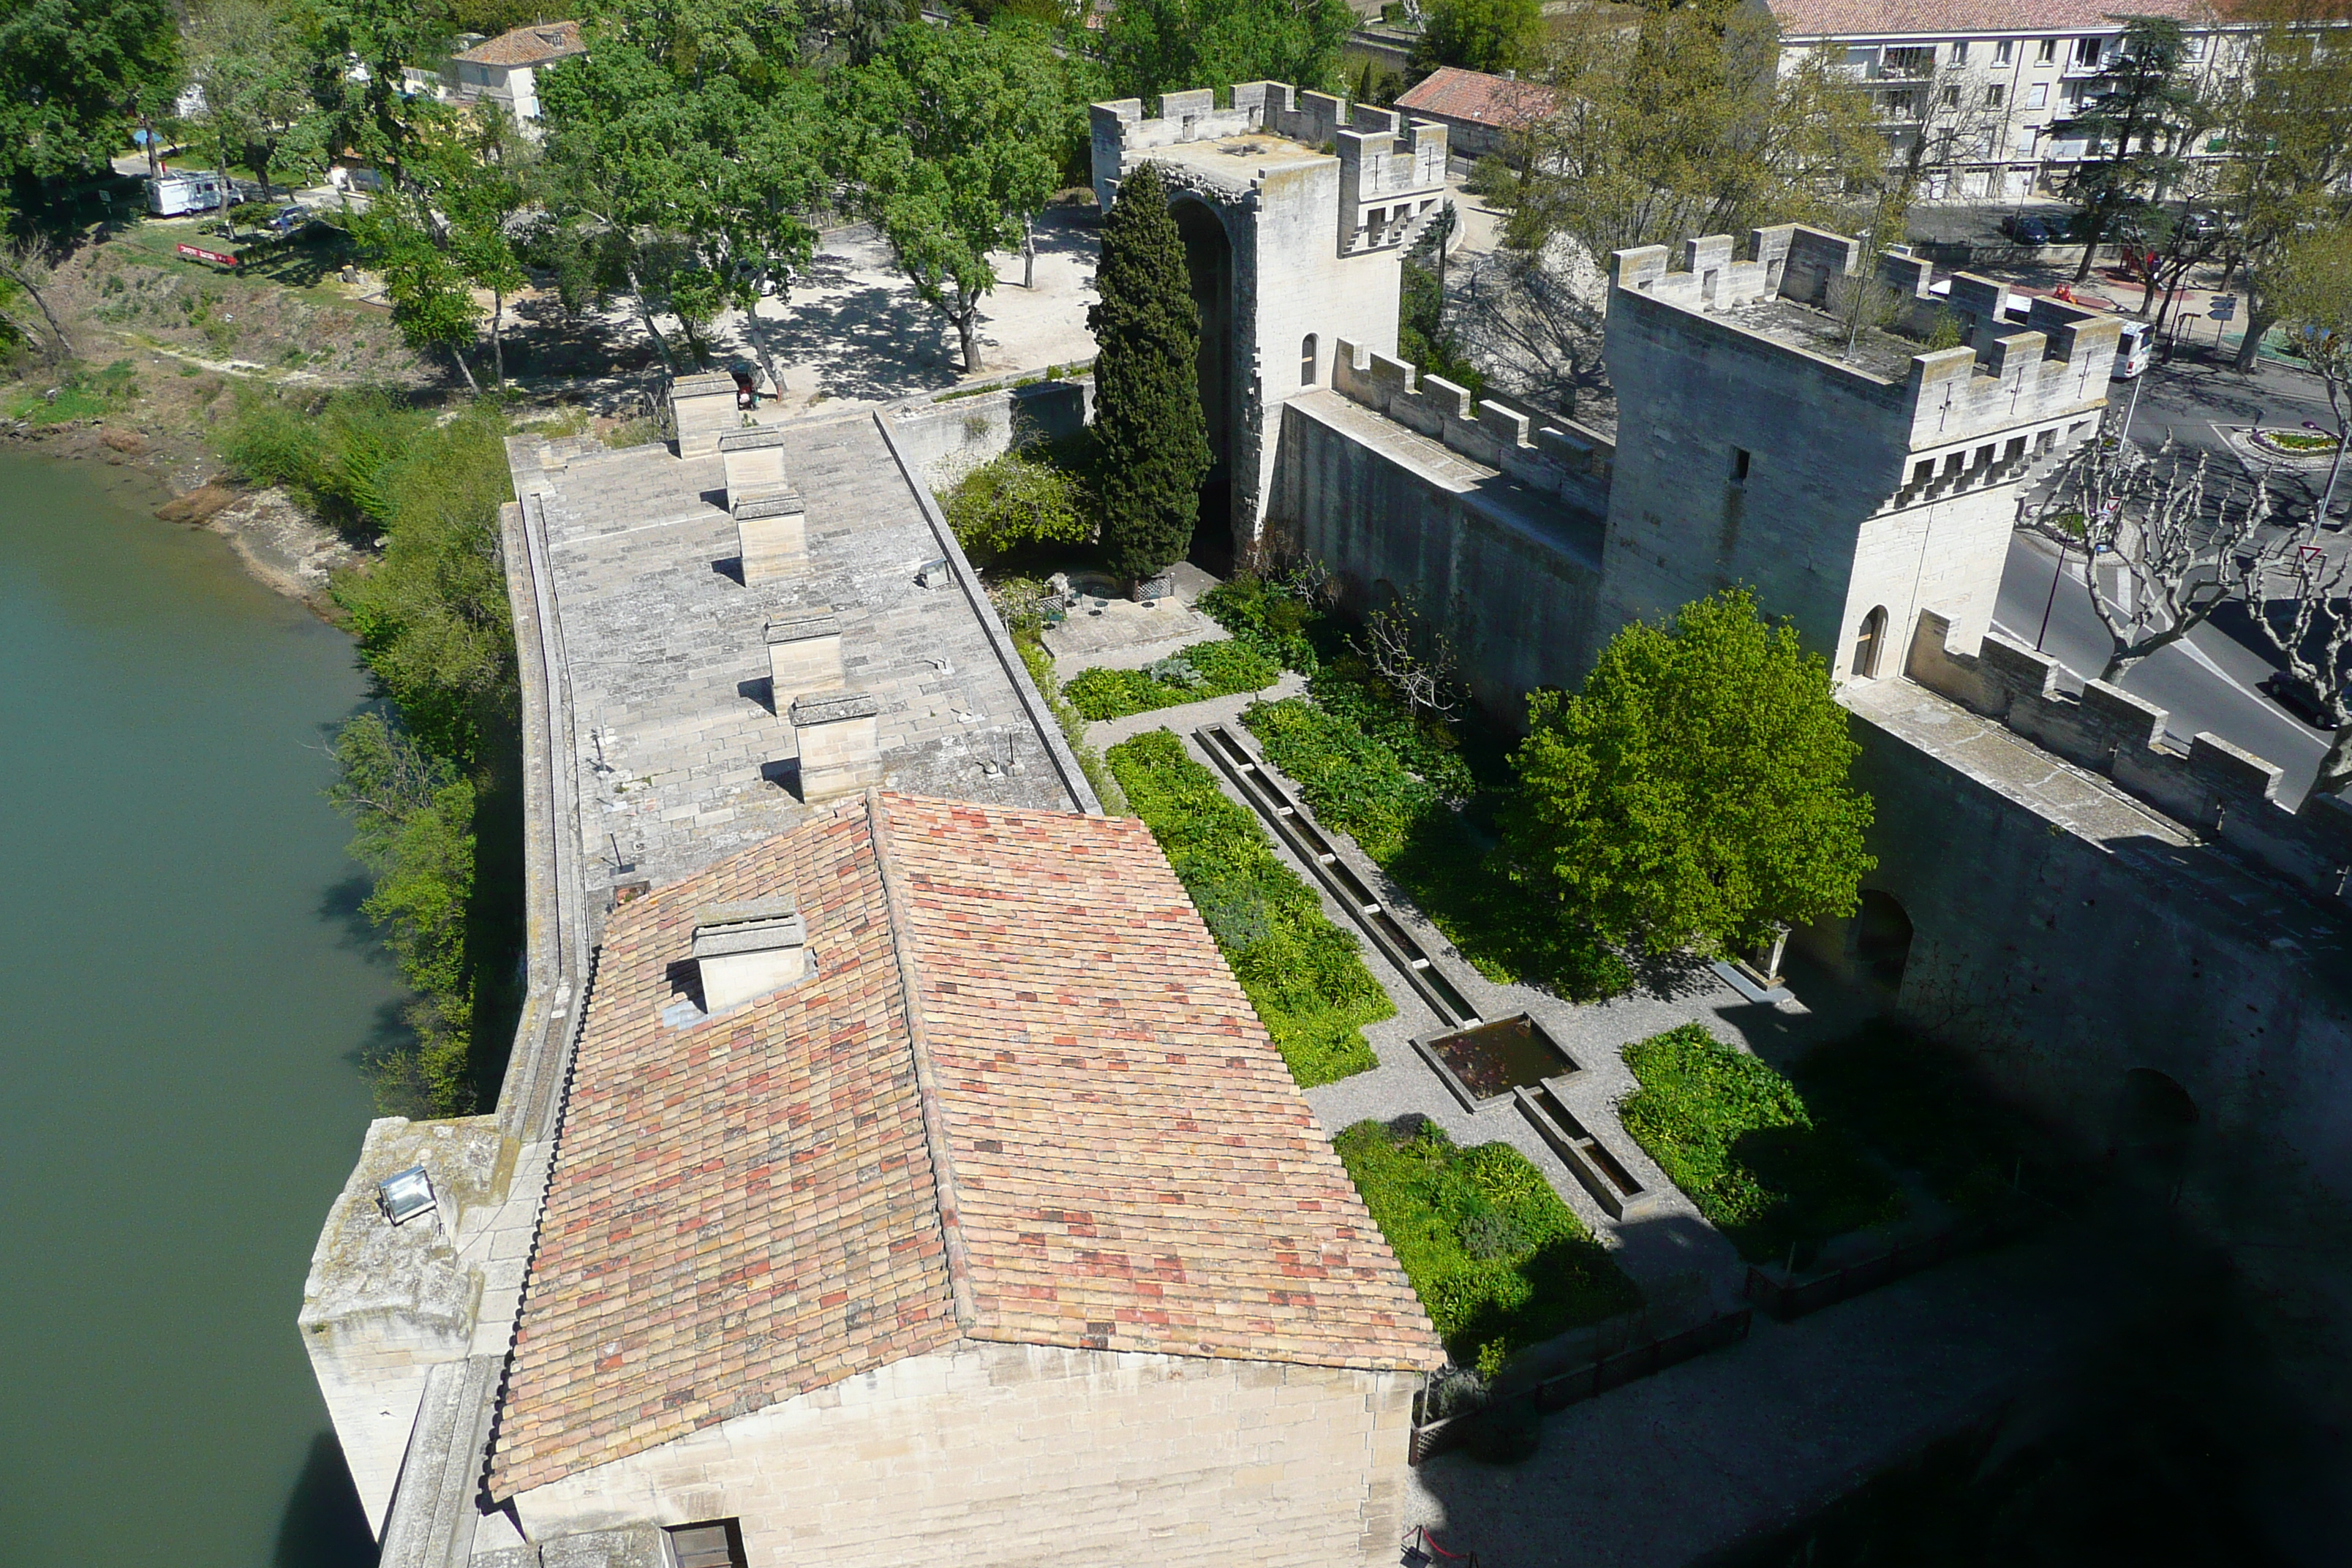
x: 1306, y: 361
x: 1867, y: 645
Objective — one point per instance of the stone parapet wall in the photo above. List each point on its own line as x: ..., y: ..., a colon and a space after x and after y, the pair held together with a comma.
x: 1543, y: 451
x: 2212, y: 786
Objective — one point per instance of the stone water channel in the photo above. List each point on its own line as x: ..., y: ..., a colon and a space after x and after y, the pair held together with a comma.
x: 187, y: 987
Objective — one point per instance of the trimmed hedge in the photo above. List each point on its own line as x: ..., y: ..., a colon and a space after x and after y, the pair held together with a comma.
x: 1194, y: 674
x: 1304, y: 974
x: 1740, y: 1142
x: 1499, y: 1262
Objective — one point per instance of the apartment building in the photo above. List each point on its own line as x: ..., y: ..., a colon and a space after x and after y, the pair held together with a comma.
x: 1994, y: 86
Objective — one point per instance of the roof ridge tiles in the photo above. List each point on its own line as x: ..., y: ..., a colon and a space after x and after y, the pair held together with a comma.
x: 927, y: 1083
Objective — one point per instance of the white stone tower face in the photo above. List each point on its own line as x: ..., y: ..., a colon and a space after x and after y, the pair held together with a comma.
x: 1296, y: 210
x: 1851, y: 481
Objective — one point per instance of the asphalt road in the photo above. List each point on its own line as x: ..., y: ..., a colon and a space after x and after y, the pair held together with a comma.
x: 2206, y: 683
x: 2188, y: 398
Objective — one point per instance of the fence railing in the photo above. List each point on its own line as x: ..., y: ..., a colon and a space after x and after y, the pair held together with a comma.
x: 1578, y: 1384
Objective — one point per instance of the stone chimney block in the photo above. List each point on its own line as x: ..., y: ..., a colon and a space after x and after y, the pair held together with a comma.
x: 755, y: 463
x: 702, y: 408
x: 771, y: 535
x: 746, y: 950
x: 803, y: 657
x: 840, y: 752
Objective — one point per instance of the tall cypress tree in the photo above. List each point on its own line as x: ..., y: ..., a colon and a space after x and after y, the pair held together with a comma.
x: 1152, y: 442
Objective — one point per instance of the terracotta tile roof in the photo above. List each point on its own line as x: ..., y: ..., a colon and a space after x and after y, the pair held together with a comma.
x: 540, y: 44
x: 1479, y: 99
x: 1079, y: 1136
x: 1950, y: 18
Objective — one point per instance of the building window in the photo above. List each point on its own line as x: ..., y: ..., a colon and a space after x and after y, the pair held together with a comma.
x: 2047, y: 53
x: 1960, y: 53
x: 2038, y: 96
x: 713, y: 1543
x: 1951, y: 97
x: 1306, y: 361
x: 2086, y: 50
x: 2003, y: 51
x: 1867, y: 644
x: 1739, y: 465
x: 1996, y: 95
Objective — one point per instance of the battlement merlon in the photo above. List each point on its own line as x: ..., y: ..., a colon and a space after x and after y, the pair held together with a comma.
x: 1391, y: 172
x: 1796, y: 288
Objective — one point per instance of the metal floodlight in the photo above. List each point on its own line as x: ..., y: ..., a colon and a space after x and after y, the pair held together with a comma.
x: 404, y: 1196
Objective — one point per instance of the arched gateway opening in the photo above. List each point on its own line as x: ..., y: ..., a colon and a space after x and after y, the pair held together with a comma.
x: 1209, y: 258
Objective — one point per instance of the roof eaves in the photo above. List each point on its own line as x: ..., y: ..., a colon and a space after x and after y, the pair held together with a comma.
x: 927, y: 1080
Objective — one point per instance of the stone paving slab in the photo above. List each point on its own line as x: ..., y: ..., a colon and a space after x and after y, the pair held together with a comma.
x: 681, y: 757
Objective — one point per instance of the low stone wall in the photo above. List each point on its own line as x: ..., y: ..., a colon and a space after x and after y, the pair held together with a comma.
x: 936, y: 433
x: 2213, y: 786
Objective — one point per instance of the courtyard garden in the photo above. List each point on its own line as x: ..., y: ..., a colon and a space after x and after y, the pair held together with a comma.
x: 1305, y: 975
x: 1499, y: 1262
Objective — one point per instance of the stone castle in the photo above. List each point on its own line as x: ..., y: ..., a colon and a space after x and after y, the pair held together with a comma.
x: 802, y: 1225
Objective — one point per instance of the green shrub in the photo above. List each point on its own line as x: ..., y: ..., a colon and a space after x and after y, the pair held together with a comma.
x: 1017, y: 499
x: 1267, y: 617
x: 1305, y: 975
x: 1499, y: 1262
x: 1740, y: 1142
x: 1353, y: 782
x: 1190, y: 675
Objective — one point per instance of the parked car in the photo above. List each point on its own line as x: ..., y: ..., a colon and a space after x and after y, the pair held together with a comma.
x: 2298, y: 700
x: 2133, y: 349
x: 2025, y: 228
x: 289, y: 220
x: 2199, y: 226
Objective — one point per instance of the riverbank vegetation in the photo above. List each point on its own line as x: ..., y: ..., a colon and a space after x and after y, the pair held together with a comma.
x: 432, y: 782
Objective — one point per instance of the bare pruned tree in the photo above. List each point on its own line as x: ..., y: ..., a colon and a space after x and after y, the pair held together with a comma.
x: 1414, y: 658
x: 2167, y: 545
x: 2311, y: 626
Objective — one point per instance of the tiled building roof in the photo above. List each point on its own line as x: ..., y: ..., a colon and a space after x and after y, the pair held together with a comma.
x: 1947, y: 19
x: 1078, y: 1135
x: 1478, y: 98
x: 540, y: 44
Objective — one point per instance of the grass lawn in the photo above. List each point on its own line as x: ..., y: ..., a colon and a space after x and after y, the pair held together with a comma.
x: 1741, y: 1142
x: 1189, y: 675
x: 1305, y: 975
x: 1500, y: 1263
x: 1357, y: 782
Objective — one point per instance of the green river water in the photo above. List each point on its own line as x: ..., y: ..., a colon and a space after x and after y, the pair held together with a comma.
x: 186, y: 988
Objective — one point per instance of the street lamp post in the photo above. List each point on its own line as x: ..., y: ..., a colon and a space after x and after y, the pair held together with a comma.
x: 2057, y: 572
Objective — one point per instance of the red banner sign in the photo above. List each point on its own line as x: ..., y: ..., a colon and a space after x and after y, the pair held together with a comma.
x: 220, y: 257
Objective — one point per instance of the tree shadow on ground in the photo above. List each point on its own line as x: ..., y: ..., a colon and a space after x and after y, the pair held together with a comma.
x: 323, y: 1525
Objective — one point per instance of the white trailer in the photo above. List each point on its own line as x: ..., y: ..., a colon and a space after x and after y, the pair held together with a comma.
x: 175, y: 195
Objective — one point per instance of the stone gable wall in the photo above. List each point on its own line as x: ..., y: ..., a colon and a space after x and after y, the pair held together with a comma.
x: 1034, y: 1456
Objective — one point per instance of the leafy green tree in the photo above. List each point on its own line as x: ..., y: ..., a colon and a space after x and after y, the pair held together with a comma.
x: 432, y: 298
x: 1017, y: 499
x: 2137, y: 126
x: 415, y: 816
x: 1684, y: 123
x: 688, y: 194
x: 954, y: 137
x: 1152, y: 46
x: 75, y: 76
x: 1152, y: 441
x: 1479, y: 34
x: 2287, y: 123
x: 364, y: 110
x: 1693, y: 793
x: 248, y: 62
x: 2311, y: 289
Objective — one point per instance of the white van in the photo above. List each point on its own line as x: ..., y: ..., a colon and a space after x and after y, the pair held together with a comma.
x: 2133, y: 351
x: 175, y: 196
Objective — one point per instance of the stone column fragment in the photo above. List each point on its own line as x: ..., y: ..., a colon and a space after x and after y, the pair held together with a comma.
x: 771, y: 535
x: 840, y: 752
x: 803, y: 657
